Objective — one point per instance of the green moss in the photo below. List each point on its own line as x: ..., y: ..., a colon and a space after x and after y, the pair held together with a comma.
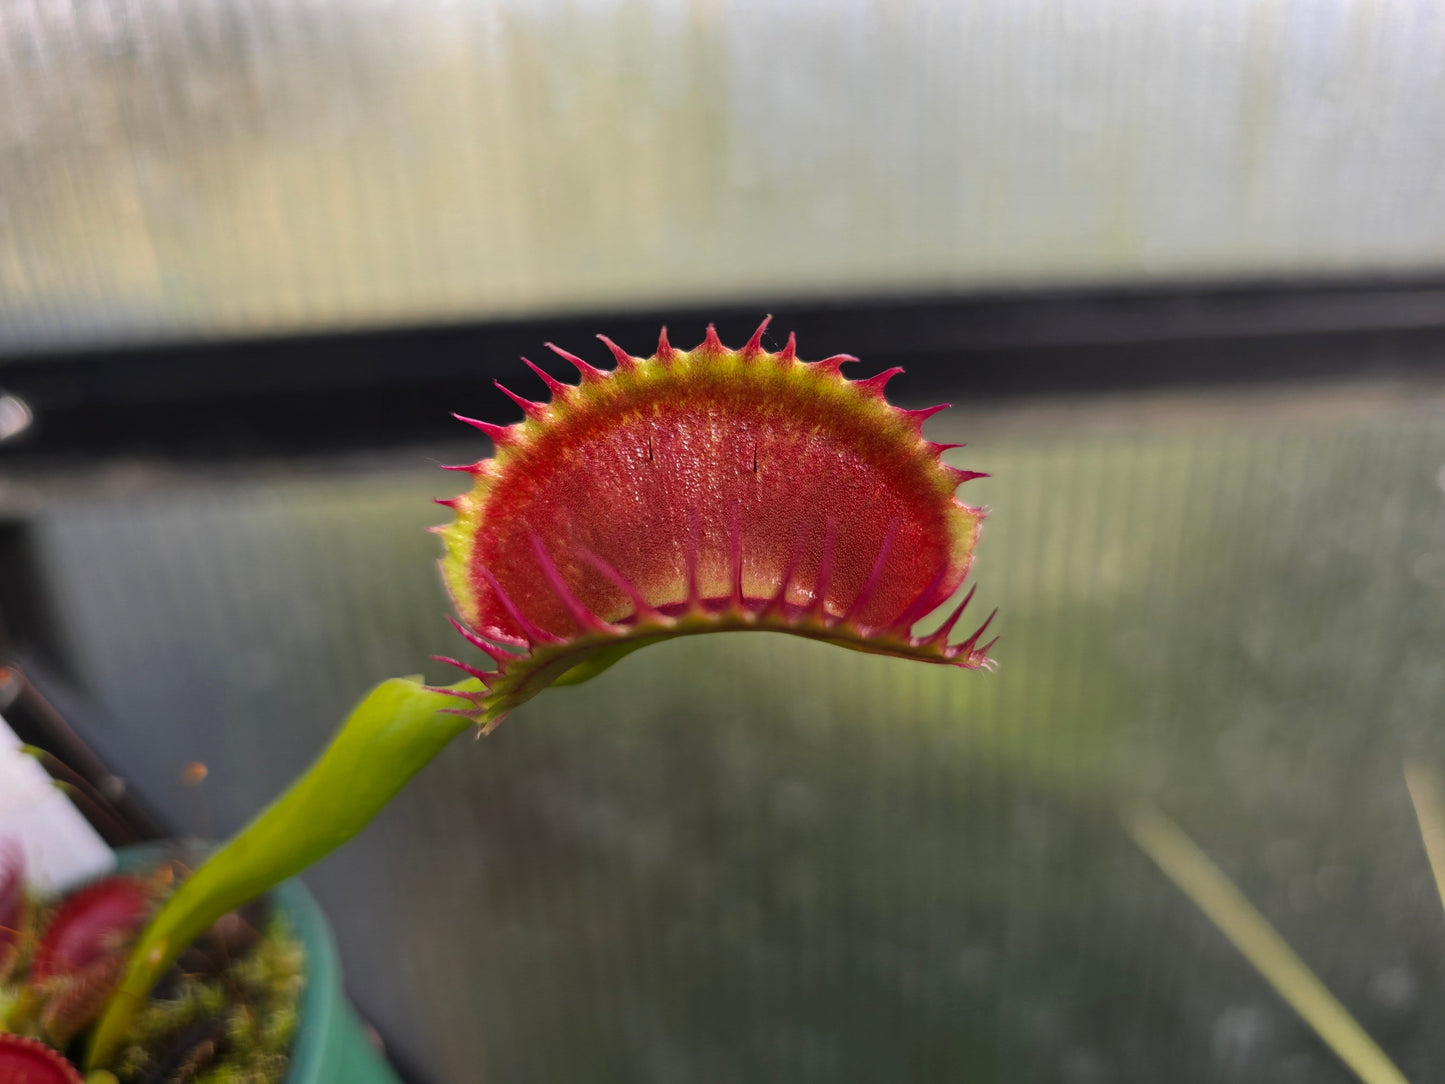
x: 257, y: 998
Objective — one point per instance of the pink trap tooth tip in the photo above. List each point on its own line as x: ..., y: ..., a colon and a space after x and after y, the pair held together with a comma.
x: 754, y: 346
x: 466, y: 668
x: 529, y: 408
x: 499, y: 433
x: 968, y: 645
x: 923, y: 414
x: 876, y: 384
x: 555, y: 386
x: 941, y: 635
x: 588, y: 372
x: 625, y: 360
x: 835, y: 363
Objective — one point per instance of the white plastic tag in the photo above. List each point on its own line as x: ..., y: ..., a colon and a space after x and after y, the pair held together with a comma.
x: 61, y: 849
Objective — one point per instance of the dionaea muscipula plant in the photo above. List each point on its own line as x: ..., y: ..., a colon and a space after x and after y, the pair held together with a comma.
x: 687, y: 492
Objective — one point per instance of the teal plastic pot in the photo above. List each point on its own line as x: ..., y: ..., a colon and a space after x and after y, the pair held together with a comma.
x: 331, y: 1047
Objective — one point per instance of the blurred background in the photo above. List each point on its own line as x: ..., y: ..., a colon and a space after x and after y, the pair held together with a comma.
x: 1180, y: 266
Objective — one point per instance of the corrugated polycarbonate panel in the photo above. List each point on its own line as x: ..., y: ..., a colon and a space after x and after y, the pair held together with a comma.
x: 755, y: 858
x: 238, y: 166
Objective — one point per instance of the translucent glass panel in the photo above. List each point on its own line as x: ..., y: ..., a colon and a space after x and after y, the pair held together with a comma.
x: 231, y: 166
x: 753, y: 858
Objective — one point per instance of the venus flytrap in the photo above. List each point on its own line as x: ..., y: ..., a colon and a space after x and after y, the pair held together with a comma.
x: 688, y: 492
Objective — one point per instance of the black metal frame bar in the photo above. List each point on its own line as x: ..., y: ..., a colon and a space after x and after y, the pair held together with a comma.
x: 354, y: 390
